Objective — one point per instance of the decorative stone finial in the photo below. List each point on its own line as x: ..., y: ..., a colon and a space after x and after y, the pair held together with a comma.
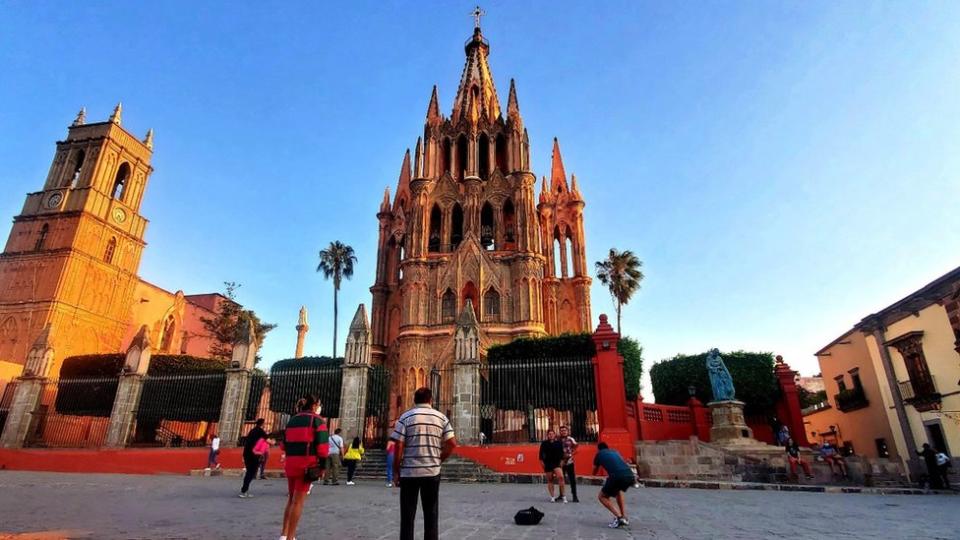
x: 357, y: 351
x: 148, y: 140
x: 117, y: 112
x: 138, y: 353
x: 40, y: 358
x: 81, y: 118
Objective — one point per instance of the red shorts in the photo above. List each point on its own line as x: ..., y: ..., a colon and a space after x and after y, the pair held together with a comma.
x: 295, y: 468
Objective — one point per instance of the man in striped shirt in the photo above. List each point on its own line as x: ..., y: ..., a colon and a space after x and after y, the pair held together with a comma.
x: 424, y: 439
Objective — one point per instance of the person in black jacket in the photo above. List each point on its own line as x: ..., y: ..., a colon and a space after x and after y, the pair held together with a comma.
x: 929, y: 456
x: 251, y: 461
x: 551, y: 456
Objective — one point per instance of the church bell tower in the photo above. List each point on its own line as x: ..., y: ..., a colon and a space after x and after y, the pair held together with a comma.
x: 70, y: 264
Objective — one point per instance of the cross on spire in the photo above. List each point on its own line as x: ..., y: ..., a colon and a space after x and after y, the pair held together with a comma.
x: 477, y: 13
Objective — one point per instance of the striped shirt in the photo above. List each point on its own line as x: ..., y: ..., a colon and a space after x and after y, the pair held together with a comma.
x: 423, y: 430
x: 306, y: 435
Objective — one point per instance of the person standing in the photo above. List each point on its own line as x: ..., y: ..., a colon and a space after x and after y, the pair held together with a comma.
x: 933, y: 470
x: 551, y: 457
x: 391, y: 457
x: 793, y: 456
x: 424, y: 439
x: 943, y: 469
x: 213, y: 460
x: 569, y: 451
x: 264, y: 457
x: 352, y: 458
x: 304, y: 445
x: 334, y: 459
x: 251, y: 461
x: 619, y: 479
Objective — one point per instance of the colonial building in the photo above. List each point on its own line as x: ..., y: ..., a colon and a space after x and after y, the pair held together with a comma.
x: 892, y: 380
x: 465, y: 223
x: 69, y: 279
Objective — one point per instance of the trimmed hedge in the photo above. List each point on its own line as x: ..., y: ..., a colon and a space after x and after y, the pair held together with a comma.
x: 632, y: 354
x: 752, y: 375
x: 293, y: 378
x: 160, y: 398
x: 563, y: 346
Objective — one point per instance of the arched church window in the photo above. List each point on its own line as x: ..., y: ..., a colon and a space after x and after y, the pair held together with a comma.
x: 169, y: 329
x: 456, y: 226
x: 77, y: 167
x: 461, y: 157
x: 469, y: 292
x: 42, y: 238
x: 446, y: 155
x: 509, y: 224
x: 436, y: 220
x: 491, y: 305
x: 500, y: 153
x: 483, y: 156
x: 557, y: 254
x: 400, y: 257
x: 448, y: 306
x: 571, y: 258
x: 487, y: 230
x: 108, y: 253
x: 120, y: 181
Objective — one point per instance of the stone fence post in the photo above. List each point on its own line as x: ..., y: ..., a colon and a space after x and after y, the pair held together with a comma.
x: 466, y: 377
x: 236, y: 389
x: 129, y: 388
x: 356, y: 374
x: 789, y: 406
x: 26, y: 398
x: 610, y: 390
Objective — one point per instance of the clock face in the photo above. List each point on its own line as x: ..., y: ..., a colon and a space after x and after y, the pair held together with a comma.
x: 54, y: 199
x: 119, y: 215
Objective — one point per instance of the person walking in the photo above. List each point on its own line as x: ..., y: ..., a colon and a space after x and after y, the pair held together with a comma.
x: 265, y: 456
x: 569, y: 470
x: 551, y: 457
x: 334, y: 459
x: 352, y: 458
x: 424, y: 439
x: 944, y: 463
x: 929, y: 456
x: 213, y: 460
x: 793, y: 456
x: 305, y: 444
x: 391, y: 457
x: 619, y: 479
x: 251, y: 461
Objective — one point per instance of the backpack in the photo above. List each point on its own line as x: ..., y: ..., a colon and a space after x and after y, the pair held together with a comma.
x: 530, y: 516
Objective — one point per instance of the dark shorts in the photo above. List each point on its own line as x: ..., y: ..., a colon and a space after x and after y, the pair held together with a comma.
x: 550, y: 467
x: 613, y: 486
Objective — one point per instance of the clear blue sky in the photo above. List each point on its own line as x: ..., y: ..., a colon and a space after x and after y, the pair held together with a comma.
x: 782, y: 168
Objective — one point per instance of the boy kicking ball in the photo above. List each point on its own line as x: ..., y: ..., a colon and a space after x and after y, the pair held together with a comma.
x: 620, y: 477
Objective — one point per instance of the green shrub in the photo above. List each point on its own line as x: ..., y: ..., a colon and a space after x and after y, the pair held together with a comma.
x: 632, y: 353
x: 752, y: 375
x: 564, y: 346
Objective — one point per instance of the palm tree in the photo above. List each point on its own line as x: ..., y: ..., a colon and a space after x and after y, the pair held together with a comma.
x: 620, y: 272
x: 337, y: 262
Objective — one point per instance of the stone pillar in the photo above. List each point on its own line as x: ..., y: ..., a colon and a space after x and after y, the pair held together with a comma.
x: 729, y: 426
x: 789, y: 406
x: 698, y: 415
x: 356, y: 373
x: 129, y: 388
x: 237, y: 387
x: 466, y: 377
x: 26, y: 398
x: 29, y: 390
x: 610, y: 389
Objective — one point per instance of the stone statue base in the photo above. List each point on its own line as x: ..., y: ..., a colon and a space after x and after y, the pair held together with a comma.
x: 729, y: 426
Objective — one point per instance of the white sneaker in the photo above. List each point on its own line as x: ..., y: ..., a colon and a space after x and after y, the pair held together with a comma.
x: 309, y: 489
x: 563, y: 500
x: 615, y: 524
x: 351, y: 483
x: 246, y: 496
x: 390, y: 484
x: 207, y: 469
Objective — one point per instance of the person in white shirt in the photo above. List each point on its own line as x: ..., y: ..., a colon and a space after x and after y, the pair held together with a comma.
x: 213, y: 459
x: 334, y: 459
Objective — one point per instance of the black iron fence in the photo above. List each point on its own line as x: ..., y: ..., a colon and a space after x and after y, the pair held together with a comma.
x: 522, y: 399
x: 377, y: 426
x: 72, y: 413
x: 292, y: 382
x: 441, y: 384
x: 6, y: 399
x: 178, y: 410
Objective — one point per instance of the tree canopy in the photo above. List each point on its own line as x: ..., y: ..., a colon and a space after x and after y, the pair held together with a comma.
x: 752, y: 373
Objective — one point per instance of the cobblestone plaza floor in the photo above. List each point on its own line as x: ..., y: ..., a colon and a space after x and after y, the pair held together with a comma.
x: 102, y: 506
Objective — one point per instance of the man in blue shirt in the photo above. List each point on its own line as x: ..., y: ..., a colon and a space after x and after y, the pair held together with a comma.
x: 619, y: 479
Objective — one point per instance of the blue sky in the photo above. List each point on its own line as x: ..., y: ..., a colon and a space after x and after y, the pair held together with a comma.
x: 782, y: 168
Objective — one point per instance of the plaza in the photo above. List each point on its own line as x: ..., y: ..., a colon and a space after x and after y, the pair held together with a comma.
x: 174, y: 507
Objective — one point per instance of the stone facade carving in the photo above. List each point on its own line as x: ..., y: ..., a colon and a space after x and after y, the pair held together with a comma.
x: 464, y: 227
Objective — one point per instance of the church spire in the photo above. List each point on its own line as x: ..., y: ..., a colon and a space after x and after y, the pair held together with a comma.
x: 385, y: 205
x: 476, y: 80
x: 558, y: 177
x: 81, y: 118
x: 148, y: 140
x: 433, y: 109
x: 513, y: 106
x: 117, y: 112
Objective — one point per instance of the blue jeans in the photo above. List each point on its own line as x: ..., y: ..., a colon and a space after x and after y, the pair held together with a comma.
x: 390, y: 458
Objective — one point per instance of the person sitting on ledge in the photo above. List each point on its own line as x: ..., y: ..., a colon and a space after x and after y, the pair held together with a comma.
x: 833, y: 458
x: 793, y: 456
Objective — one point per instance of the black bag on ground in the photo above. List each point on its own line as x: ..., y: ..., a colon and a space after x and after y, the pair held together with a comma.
x: 530, y: 516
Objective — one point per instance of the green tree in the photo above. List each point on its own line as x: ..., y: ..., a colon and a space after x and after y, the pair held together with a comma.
x: 229, y: 320
x: 620, y: 273
x: 336, y: 262
x: 809, y: 399
x: 632, y: 353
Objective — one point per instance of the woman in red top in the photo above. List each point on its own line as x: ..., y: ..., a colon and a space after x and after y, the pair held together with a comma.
x: 304, y: 443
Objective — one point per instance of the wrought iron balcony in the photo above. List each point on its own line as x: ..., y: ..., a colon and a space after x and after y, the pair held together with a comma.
x: 920, y: 392
x: 851, y: 399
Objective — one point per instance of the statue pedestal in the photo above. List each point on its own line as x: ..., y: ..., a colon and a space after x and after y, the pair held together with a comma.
x: 729, y: 426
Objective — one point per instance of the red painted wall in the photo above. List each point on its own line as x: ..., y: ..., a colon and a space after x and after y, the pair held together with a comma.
x: 524, y: 458
x: 128, y: 461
